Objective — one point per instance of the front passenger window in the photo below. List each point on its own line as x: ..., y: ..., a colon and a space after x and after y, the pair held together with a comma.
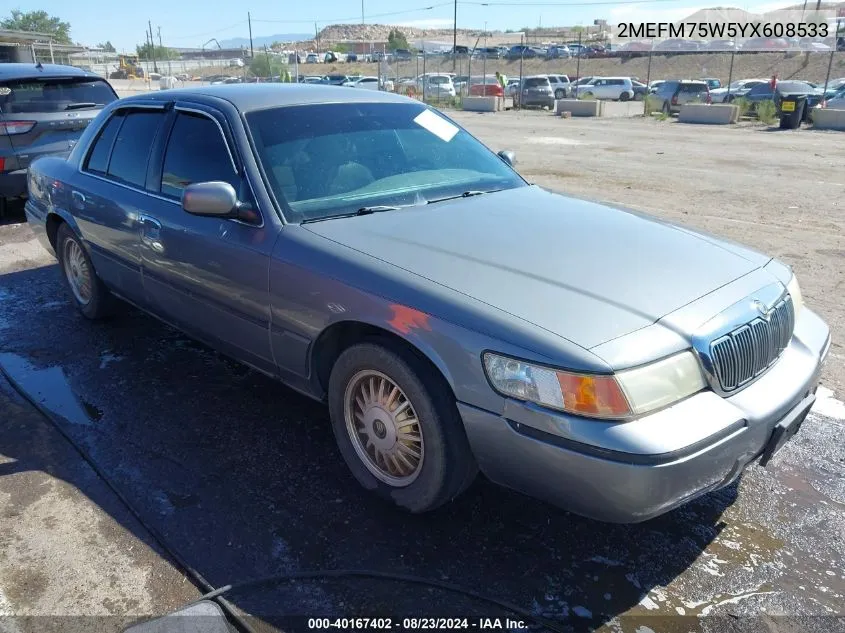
x: 196, y: 152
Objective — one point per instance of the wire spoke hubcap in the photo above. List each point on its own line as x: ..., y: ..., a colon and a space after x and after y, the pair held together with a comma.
x: 384, y: 428
x: 77, y: 272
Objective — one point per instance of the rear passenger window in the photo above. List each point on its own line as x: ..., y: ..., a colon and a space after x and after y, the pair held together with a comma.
x: 98, y: 159
x: 132, y: 146
x: 196, y: 152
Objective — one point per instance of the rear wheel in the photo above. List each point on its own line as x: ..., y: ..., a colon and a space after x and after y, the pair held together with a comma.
x: 624, y: 96
x: 666, y: 109
x: 560, y: 93
x: 398, y: 428
x: 87, y: 291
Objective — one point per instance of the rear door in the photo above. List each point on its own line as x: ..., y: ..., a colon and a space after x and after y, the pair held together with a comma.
x: 108, y: 197
x: 692, y: 93
x: 46, y: 115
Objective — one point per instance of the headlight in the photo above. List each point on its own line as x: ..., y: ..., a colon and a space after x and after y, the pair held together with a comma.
x: 794, y: 291
x: 626, y: 393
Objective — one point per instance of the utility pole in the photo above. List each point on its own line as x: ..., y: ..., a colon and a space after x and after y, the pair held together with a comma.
x: 249, y: 21
x: 455, y: 38
x: 152, y: 46
x: 362, y: 11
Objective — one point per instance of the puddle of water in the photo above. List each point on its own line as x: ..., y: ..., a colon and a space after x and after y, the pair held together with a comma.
x: 49, y: 387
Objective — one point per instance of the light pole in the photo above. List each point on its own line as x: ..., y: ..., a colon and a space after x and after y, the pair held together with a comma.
x: 455, y: 38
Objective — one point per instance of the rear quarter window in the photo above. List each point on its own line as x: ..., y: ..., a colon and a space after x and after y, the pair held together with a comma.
x: 98, y: 159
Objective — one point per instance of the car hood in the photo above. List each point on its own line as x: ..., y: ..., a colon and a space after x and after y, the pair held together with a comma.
x: 587, y: 272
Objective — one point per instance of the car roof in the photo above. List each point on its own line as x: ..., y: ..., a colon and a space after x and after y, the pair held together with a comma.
x: 17, y: 70
x: 247, y: 97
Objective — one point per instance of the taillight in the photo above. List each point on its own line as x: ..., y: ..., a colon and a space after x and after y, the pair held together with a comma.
x: 709, y: 99
x: 16, y: 127
x: 674, y: 99
x: 2, y: 163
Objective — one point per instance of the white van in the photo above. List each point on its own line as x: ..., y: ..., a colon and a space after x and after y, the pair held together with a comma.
x: 616, y: 88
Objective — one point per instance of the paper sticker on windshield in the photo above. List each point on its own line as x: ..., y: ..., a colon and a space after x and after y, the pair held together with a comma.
x: 438, y: 126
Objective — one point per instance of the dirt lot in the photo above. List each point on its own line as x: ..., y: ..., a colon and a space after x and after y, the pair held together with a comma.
x: 242, y: 476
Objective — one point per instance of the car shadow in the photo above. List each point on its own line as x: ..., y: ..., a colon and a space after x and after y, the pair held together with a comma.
x: 14, y: 212
x: 241, y: 477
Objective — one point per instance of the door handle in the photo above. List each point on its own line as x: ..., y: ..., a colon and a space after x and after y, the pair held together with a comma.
x: 78, y: 199
x: 150, y: 228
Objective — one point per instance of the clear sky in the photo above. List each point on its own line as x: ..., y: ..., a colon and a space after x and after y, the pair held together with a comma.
x: 190, y: 23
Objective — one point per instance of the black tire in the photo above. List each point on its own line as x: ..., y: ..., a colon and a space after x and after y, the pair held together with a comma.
x: 447, y: 467
x: 588, y: 95
x: 666, y: 109
x: 3, y: 207
x: 560, y: 93
x: 101, y: 303
x: 624, y: 97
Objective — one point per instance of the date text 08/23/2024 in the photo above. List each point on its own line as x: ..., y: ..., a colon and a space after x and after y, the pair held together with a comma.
x: 415, y: 624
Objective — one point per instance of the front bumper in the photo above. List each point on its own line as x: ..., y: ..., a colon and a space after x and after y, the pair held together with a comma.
x: 13, y: 184
x: 627, y: 472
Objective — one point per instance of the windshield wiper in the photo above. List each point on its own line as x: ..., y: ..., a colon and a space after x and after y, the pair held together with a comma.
x: 361, y: 211
x: 80, y: 106
x: 375, y: 209
x: 465, y: 194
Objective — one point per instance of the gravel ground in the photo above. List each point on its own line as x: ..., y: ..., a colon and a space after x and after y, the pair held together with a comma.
x: 242, y: 477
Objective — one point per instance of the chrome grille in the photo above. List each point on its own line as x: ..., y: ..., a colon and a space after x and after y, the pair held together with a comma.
x: 740, y: 356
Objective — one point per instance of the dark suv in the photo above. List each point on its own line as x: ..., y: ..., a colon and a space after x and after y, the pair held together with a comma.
x: 43, y: 110
x: 672, y: 94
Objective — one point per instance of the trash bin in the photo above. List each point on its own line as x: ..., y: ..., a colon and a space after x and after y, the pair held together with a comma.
x: 791, y: 111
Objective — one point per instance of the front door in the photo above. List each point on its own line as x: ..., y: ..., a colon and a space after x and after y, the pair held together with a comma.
x: 207, y: 275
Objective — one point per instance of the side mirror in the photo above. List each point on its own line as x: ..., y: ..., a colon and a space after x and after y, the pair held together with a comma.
x: 508, y: 156
x: 214, y: 198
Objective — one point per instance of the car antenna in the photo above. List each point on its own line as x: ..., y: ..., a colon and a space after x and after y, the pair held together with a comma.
x: 39, y: 66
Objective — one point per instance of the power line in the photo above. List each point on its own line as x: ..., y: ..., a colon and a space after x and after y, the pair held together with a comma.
x: 558, y: 4
x: 352, y: 19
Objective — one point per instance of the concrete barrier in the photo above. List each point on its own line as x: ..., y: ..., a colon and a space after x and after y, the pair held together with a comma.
x: 481, y: 104
x: 824, y: 119
x: 580, y: 107
x: 716, y: 114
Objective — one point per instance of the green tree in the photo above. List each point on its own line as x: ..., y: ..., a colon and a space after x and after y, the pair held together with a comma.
x: 396, y: 39
x: 161, y: 53
x: 39, y: 22
x: 265, y: 65
x: 107, y: 46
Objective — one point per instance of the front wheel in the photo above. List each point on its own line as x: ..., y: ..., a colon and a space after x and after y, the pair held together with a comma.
x: 87, y: 291
x: 560, y: 93
x: 624, y: 96
x: 398, y: 428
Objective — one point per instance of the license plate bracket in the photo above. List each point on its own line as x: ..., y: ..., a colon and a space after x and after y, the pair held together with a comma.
x: 786, y: 428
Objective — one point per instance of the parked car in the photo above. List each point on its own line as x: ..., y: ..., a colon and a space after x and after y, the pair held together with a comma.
x: 762, y: 44
x: 535, y: 91
x: 336, y: 80
x: 312, y: 58
x: 312, y: 79
x: 437, y: 340
x: 435, y: 85
x: 576, y: 49
x: 677, y: 45
x: 490, y: 52
x: 370, y: 83
x: 558, y: 52
x: 838, y: 100
x: 612, y: 88
x: 486, y: 87
x: 576, y: 86
x: 640, y: 90
x: 351, y: 57
x: 560, y: 85
x: 722, y: 45
x: 44, y: 109
x: 735, y: 90
x: 402, y: 55
x: 673, y: 94
x: 521, y: 52
x: 764, y: 92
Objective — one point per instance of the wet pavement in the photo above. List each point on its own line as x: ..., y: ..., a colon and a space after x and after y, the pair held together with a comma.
x: 242, y: 478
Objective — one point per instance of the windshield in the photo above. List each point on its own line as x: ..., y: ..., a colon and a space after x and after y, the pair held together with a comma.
x: 54, y: 95
x: 439, y: 79
x: 537, y: 82
x: 332, y: 159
